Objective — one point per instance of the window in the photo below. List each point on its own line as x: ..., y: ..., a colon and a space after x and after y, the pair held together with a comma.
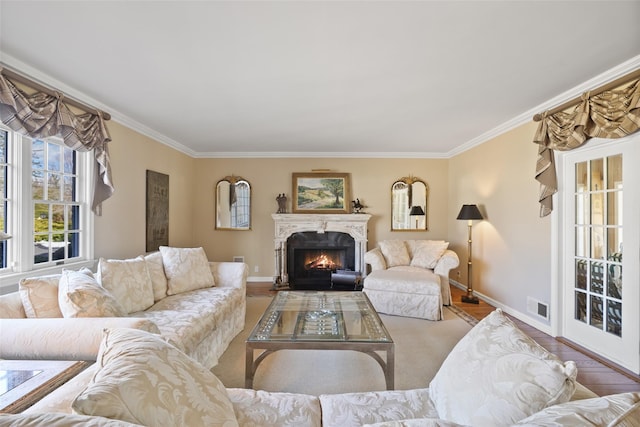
x: 45, y: 204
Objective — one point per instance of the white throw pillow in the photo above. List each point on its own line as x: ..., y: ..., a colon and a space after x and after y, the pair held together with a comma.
x: 614, y: 410
x: 80, y: 295
x: 39, y: 296
x: 128, y: 281
x: 427, y: 253
x: 395, y: 252
x: 158, y: 277
x: 187, y: 269
x: 143, y: 379
x: 497, y: 375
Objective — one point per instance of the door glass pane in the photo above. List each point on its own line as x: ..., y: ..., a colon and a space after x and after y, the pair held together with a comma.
x: 597, y: 175
x: 582, y: 208
x: 614, y: 208
x: 614, y: 172
x: 614, y: 243
x: 581, y: 177
x: 581, y: 274
x: 597, y: 276
x: 596, y: 312
x: 597, y: 209
x: 597, y: 242
x: 614, y: 318
x: 581, y: 307
x: 614, y: 281
x: 582, y: 242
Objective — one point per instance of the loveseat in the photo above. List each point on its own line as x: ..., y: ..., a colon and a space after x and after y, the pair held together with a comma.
x: 197, y: 305
x: 495, y: 376
x: 410, y: 277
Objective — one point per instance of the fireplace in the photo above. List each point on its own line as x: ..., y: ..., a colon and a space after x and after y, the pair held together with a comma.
x: 340, y: 239
x: 312, y: 257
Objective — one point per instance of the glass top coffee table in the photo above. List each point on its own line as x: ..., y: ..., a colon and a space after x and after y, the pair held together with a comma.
x: 308, y: 320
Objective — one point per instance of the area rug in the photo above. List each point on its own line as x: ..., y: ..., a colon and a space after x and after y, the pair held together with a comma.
x: 420, y: 348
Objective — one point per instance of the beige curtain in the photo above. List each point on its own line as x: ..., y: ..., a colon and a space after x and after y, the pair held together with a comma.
x: 40, y: 115
x: 610, y: 114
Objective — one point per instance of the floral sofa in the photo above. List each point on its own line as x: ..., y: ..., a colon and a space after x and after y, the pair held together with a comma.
x: 199, y: 306
x: 410, y: 277
x: 495, y: 376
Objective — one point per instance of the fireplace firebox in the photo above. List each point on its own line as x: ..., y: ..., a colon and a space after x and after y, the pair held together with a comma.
x: 313, y: 257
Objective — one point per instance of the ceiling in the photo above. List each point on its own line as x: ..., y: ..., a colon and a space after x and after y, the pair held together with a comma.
x: 319, y: 78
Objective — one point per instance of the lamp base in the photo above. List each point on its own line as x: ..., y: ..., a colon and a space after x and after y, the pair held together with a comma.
x: 470, y: 299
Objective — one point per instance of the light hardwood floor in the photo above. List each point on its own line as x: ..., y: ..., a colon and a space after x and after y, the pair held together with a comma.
x: 597, y: 374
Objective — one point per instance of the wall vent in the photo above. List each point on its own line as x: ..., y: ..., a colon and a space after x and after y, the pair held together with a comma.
x: 537, y: 307
x: 238, y: 258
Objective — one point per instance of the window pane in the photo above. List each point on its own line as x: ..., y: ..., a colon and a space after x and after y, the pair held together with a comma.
x: 37, y: 185
x: 57, y: 217
x: 41, y: 249
x: 596, y: 312
x: 41, y: 218
x: 581, y: 177
x: 37, y: 155
x: 614, y: 281
x: 74, y: 245
x: 73, y: 217
x: 614, y: 208
x: 614, y: 318
x: 597, y: 278
x: 69, y: 189
x: 53, y: 186
x: 54, y: 152
x: 582, y: 242
x: 58, y: 246
x: 69, y: 161
x: 581, y: 274
x: 614, y: 242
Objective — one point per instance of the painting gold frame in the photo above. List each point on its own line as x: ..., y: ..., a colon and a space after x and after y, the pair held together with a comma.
x: 320, y: 192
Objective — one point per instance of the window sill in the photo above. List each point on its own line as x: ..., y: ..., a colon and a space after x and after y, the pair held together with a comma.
x: 9, y: 280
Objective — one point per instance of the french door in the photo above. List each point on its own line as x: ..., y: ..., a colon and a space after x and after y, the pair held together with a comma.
x: 600, y: 256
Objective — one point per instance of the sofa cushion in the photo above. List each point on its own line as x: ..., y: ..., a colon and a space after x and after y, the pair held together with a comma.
x: 11, y: 306
x: 144, y: 380
x: 40, y: 296
x: 58, y: 420
x: 80, y: 295
x: 187, y: 318
x: 395, y: 252
x: 128, y: 281
x: 407, y: 279
x: 157, y: 274
x: 427, y: 253
x: 356, y: 409
x: 497, y: 375
x: 614, y: 410
x: 187, y: 269
x: 263, y: 408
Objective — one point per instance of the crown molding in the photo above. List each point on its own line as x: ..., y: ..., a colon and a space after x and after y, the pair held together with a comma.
x: 526, y: 117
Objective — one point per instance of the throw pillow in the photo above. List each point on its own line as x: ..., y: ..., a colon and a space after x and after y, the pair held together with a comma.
x: 497, y: 375
x: 427, y: 253
x: 158, y: 277
x: 187, y: 269
x: 80, y: 295
x: 128, y: 281
x: 39, y: 296
x: 142, y: 379
x: 395, y: 252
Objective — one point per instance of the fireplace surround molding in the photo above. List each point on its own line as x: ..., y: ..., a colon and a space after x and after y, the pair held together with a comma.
x: 287, y: 224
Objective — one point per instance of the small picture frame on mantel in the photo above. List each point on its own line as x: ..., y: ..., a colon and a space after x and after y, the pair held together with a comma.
x: 320, y: 192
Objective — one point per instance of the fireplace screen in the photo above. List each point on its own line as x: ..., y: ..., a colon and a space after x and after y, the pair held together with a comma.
x: 313, y: 257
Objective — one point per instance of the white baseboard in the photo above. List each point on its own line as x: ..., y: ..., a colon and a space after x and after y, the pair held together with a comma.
x: 260, y: 279
x: 509, y: 310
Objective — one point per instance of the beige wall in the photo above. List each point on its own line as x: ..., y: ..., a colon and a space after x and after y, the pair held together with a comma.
x: 511, y: 247
x: 371, y: 181
x: 511, y: 258
x: 120, y: 231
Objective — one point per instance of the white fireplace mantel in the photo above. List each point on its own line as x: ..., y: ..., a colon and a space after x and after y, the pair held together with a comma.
x: 287, y: 224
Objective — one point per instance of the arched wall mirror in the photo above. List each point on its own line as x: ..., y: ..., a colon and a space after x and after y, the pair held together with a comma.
x: 233, y: 203
x: 409, y: 211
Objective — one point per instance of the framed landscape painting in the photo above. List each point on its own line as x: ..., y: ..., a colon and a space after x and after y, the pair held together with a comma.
x: 325, y: 192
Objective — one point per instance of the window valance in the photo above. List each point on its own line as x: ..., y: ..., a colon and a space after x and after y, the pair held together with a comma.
x: 42, y: 115
x: 609, y: 114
